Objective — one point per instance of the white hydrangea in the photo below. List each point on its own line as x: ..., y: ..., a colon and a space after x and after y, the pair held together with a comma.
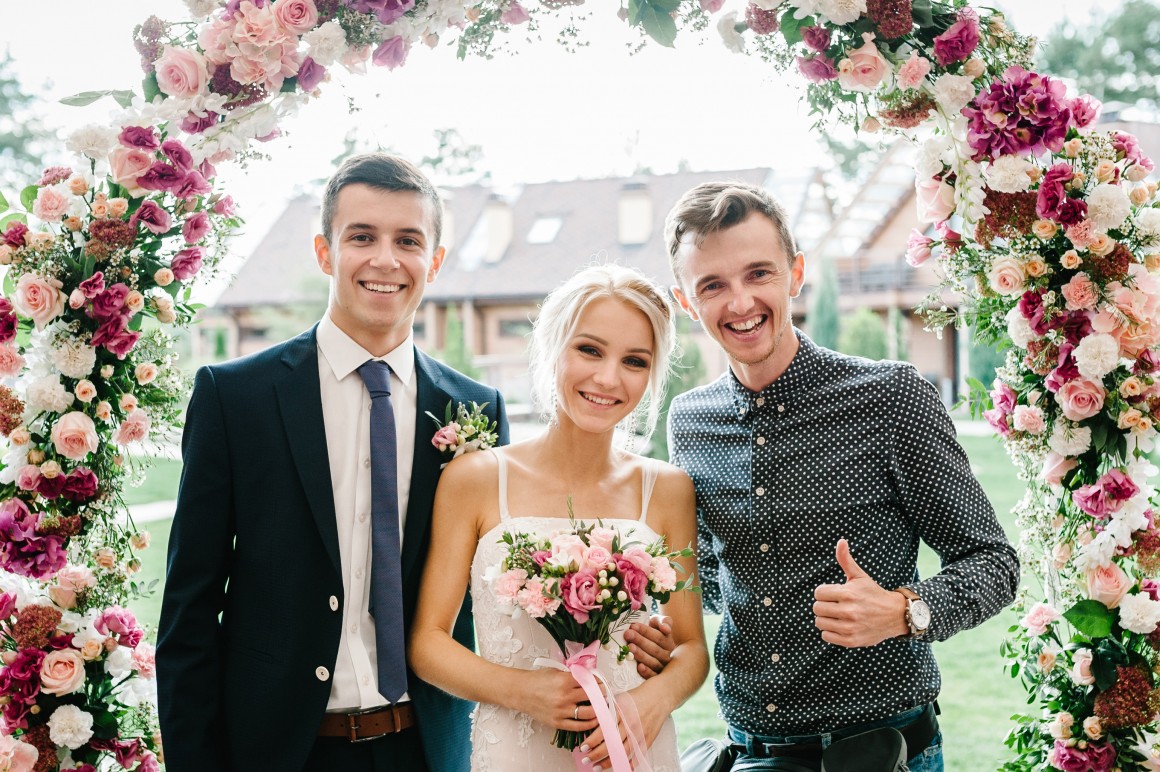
x: 1108, y: 206
x: 932, y: 156
x: 48, y: 394
x: 1068, y: 439
x: 1008, y: 174
x: 70, y: 726
x: 1148, y: 226
x: 842, y: 11
x: 74, y: 359
x: 93, y: 141
x: 199, y: 9
x: 954, y: 92
x: 326, y: 44
x: 1019, y: 329
x: 1139, y: 613
x: 727, y: 29
x: 1097, y: 355
x: 119, y: 662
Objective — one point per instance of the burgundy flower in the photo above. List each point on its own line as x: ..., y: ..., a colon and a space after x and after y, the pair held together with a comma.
x: 110, y: 304
x: 761, y: 21
x: 127, y: 752
x: 187, y: 263
x: 80, y: 486
x: 960, y: 39
x: 14, y: 235
x: 94, y: 285
x: 115, y: 233
x: 152, y: 216
x: 194, y: 124
x: 310, y: 74
x: 142, y: 137
x: 195, y: 227
x: 50, y: 487
x: 115, y: 338
x: 33, y: 628
x: 894, y: 18
x: 53, y: 175
x: 1130, y: 701
x: 817, y: 38
x: 161, y: 176
x: 817, y: 69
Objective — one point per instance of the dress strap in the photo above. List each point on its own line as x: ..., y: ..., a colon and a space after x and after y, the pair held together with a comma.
x: 648, y: 480
x: 503, y: 502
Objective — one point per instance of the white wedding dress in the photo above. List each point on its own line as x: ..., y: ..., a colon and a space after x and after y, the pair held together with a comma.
x: 505, y: 740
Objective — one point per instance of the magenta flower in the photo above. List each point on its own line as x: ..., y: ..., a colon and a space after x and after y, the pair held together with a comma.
x: 387, y: 11
x: 120, y: 623
x: 142, y: 137
x: 633, y: 581
x: 224, y: 206
x: 195, y: 227
x: 14, y: 235
x: 80, y: 485
x: 196, y: 124
x: 392, y: 52
x: 177, y: 154
x: 1085, y: 110
x: 960, y: 39
x: 152, y: 216
x: 23, y: 550
x: 1022, y: 114
x: 187, y: 263
x: 918, y: 248
x: 817, y: 38
x: 310, y: 74
x: 817, y: 69
x: 161, y: 176
x: 110, y: 304
x: 580, y: 592
x: 94, y: 285
x: 193, y: 184
x: 115, y: 338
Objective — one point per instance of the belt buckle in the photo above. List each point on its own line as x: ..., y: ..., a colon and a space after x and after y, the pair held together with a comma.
x: 353, y: 725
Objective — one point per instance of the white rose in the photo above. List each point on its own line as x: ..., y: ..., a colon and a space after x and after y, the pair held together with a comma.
x: 1008, y: 174
x: 842, y: 11
x: 1068, y: 439
x: 1019, y: 328
x: 1097, y: 355
x: 1060, y: 727
x: 326, y: 44
x: 1139, y: 613
x: 70, y: 726
x: 48, y: 394
x: 74, y: 359
x: 1108, y: 207
x: 93, y: 141
x: 954, y: 92
x: 727, y: 28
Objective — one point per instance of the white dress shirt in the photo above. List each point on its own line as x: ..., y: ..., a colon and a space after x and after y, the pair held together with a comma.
x: 346, y: 407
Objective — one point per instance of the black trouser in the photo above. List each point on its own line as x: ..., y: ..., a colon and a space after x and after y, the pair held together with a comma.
x: 399, y: 752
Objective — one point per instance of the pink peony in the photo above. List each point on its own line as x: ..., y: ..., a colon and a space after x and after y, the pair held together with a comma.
x: 62, y: 672
x: 1038, y: 618
x: 1107, y: 584
x: 960, y: 39
x: 580, y: 592
x: 17, y: 756
x: 39, y: 299
x: 935, y: 199
x: 134, y: 428
x: 913, y: 71
x: 296, y: 16
x: 181, y: 72
x: 864, y: 68
x: 1080, y: 398
x: 51, y: 204
x: 74, y: 435
x: 10, y: 360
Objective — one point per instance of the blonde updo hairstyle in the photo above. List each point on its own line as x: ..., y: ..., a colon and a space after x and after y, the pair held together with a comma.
x: 560, y: 312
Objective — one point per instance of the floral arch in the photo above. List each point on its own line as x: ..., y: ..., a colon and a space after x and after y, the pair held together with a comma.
x: 1046, y: 228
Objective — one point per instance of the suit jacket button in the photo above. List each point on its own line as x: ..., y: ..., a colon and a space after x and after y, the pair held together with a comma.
x: 322, y: 673
x: 334, y: 603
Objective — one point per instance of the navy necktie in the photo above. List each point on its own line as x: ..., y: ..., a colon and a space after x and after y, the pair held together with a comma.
x: 386, y: 604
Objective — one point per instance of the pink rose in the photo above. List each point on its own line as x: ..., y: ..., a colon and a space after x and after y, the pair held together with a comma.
x: 508, y: 584
x: 597, y: 557
x: 39, y: 299
x: 134, y: 428
x: 1081, y: 667
x: 71, y: 580
x: 297, y: 16
x: 62, y: 672
x: 128, y: 164
x: 392, y: 52
x: 195, y: 227
x: 16, y: 756
x: 568, y: 550
x: 580, y: 592
x: 10, y: 360
x: 913, y: 71
x: 1080, y: 398
x: 28, y: 477
x: 446, y: 437
x: 145, y: 373
x: 1038, y: 618
x: 1055, y: 467
x: 51, y: 204
x: 602, y: 537
x: 1029, y: 419
x: 935, y: 199
x: 145, y: 660
x: 634, y: 582
x: 664, y: 576
x: 640, y: 558
x: 1080, y: 292
x: 863, y: 69
x: 74, y: 435
x: 181, y: 72
x: 1107, y: 584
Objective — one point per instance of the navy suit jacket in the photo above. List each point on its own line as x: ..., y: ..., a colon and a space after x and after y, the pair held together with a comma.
x: 252, y: 610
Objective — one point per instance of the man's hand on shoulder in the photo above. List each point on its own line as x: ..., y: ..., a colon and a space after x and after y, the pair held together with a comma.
x: 859, y: 612
x: 651, y: 645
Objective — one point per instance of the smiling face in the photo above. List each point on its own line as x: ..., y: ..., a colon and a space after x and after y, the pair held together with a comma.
x: 380, y: 256
x: 604, y: 369
x: 739, y: 284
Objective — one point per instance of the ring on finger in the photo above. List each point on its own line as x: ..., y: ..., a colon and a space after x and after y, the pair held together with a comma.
x: 576, y: 713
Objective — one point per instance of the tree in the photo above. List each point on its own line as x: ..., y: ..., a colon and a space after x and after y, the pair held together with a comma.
x: 456, y: 351
x: 983, y: 360
x: 863, y: 335
x: 688, y: 372
x: 823, y: 321
x: 1114, y: 57
x: 22, y: 135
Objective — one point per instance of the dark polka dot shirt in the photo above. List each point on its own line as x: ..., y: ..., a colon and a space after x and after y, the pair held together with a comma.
x: 836, y: 447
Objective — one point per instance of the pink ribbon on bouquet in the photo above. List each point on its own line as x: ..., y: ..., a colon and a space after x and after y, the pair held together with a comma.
x: 580, y: 661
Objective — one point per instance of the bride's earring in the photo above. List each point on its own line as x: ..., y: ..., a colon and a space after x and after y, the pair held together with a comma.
x: 629, y: 426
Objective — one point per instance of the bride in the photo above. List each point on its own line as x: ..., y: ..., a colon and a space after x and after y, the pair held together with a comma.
x: 599, y: 355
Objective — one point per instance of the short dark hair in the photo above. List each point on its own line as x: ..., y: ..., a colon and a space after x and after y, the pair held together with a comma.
x: 382, y: 172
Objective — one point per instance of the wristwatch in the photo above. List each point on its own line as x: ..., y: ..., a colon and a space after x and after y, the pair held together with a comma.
x: 917, y: 612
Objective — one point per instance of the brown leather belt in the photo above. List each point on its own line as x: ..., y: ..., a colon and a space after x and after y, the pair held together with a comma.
x: 364, y: 725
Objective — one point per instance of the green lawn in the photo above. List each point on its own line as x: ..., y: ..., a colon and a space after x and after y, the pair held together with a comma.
x: 977, y: 698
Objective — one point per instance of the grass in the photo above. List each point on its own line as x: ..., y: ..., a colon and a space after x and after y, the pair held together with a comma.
x: 977, y: 698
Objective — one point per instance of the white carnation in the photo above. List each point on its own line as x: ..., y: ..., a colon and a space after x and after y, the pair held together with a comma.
x: 1068, y: 439
x: 119, y: 662
x: 933, y: 156
x: 48, y: 394
x: 1019, y: 329
x: 93, y: 141
x: 326, y: 44
x: 954, y: 92
x: 1139, y: 613
x: 727, y: 28
x: 1097, y: 355
x: 1008, y: 174
x: 199, y: 9
x: 70, y: 726
x: 842, y: 11
x: 1148, y: 225
x: 137, y: 691
x: 74, y: 359
x: 1108, y: 206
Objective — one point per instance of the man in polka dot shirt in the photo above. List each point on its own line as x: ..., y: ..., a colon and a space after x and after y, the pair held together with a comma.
x: 816, y: 476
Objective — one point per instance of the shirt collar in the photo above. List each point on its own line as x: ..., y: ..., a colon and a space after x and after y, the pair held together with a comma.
x: 345, y: 356
x: 804, y: 372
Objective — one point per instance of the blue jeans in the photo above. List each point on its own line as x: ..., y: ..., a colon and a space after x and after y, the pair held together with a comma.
x: 929, y: 759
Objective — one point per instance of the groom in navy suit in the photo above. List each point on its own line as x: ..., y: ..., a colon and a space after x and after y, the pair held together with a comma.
x: 268, y: 657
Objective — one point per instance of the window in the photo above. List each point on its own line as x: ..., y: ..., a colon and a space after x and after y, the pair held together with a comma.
x: 544, y: 230
x: 515, y: 328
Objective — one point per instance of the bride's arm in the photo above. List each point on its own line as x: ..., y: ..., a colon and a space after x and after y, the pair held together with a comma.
x: 672, y: 512
x: 549, y: 696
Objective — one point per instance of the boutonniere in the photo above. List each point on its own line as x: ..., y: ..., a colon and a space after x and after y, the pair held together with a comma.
x: 464, y: 431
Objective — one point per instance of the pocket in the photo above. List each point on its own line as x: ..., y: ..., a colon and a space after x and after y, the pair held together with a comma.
x: 931, y: 758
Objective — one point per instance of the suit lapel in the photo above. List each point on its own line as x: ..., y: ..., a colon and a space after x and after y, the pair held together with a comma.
x: 300, y: 403
x: 430, y: 397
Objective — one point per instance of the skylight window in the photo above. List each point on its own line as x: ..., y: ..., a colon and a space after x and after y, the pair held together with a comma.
x: 544, y: 230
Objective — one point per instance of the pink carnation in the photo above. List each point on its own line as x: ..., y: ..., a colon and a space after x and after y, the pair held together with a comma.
x: 508, y: 584
x: 51, y: 204
x: 134, y: 428
x: 10, y: 360
x: 145, y: 660
x: 664, y: 576
x: 535, y: 602
x: 913, y: 71
x: 1039, y: 617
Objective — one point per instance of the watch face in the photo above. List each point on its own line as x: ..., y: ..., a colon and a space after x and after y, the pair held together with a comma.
x: 920, y: 614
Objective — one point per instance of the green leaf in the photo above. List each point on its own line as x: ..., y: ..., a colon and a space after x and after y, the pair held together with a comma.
x: 290, y: 85
x: 659, y: 25
x: 123, y: 97
x: 923, y: 13
x: 1104, y: 670
x: 1091, y: 618
x: 791, y: 27
x: 28, y: 197
x: 11, y: 218
x: 3, y: 203
x: 149, y: 87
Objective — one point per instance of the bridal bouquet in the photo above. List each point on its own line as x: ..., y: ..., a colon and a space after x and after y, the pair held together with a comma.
x: 582, y: 584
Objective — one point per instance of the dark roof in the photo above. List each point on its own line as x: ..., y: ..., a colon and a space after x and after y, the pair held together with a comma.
x: 282, y: 269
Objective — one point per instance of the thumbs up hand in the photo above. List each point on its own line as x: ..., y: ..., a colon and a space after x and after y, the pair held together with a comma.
x: 858, y: 612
